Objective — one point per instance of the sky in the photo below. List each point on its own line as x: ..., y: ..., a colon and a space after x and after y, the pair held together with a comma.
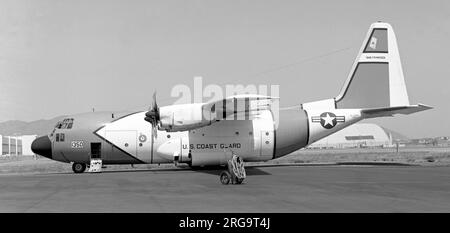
x: 65, y: 57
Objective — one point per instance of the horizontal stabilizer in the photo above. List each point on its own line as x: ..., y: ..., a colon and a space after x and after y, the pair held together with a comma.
x: 382, y: 112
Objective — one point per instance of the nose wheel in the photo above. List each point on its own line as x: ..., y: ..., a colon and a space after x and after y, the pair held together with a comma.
x: 78, y: 167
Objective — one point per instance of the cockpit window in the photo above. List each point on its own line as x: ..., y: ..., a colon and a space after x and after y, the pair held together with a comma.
x: 59, y: 137
x: 65, y: 124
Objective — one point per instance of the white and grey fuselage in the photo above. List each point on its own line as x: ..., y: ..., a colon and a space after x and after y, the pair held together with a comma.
x: 127, y: 138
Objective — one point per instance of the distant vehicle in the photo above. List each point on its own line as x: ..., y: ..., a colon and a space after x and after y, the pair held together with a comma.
x: 201, y: 134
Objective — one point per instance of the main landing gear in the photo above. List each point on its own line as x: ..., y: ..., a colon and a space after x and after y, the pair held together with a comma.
x: 235, y: 172
x: 78, y: 167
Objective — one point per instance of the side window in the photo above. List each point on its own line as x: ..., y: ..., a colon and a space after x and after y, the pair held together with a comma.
x: 61, y: 137
x: 57, y: 137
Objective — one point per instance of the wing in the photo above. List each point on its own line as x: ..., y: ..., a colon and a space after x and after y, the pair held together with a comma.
x: 238, y: 107
x: 193, y: 116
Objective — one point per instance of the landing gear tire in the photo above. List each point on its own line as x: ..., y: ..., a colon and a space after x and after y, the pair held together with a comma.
x: 78, y: 167
x: 225, y: 177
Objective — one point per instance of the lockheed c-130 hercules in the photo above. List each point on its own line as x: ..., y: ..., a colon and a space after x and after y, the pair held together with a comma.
x: 203, y: 134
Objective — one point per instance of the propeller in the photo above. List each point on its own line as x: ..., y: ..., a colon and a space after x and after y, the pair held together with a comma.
x: 153, y: 116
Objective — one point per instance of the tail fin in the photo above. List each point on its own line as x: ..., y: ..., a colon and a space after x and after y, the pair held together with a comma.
x: 376, y: 78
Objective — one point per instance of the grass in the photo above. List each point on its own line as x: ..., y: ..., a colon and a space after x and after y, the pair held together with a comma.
x: 419, y: 156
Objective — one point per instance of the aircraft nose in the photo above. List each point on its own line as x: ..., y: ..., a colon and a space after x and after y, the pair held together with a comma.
x: 42, y: 146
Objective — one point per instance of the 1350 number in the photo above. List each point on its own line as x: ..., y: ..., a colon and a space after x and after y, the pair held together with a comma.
x: 77, y: 144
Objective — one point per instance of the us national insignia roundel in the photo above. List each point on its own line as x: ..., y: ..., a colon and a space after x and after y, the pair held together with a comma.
x: 142, y: 138
x: 328, y: 119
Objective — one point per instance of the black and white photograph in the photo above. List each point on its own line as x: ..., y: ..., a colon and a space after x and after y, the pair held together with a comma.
x: 229, y: 107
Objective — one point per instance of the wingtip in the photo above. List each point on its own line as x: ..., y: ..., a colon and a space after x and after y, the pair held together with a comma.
x: 424, y: 106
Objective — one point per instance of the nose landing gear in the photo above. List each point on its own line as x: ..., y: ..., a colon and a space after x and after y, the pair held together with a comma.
x: 78, y: 167
x: 235, y: 173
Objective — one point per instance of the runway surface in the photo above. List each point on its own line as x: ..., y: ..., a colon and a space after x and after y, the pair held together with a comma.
x: 266, y: 189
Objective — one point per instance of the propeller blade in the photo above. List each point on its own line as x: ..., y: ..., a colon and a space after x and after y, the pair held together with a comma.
x: 155, y: 131
x: 152, y: 116
x: 154, y: 105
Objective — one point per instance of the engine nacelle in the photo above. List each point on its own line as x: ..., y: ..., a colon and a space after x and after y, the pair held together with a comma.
x: 183, y: 117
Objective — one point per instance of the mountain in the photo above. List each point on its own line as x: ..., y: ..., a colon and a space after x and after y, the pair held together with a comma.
x: 39, y: 127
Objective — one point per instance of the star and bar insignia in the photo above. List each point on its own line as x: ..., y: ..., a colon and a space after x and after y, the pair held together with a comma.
x: 328, y: 119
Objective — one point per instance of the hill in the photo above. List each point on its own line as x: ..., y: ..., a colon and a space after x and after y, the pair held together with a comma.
x: 39, y: 127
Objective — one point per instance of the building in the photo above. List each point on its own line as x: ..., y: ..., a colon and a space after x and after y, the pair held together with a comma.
x: 442, y: 141
x: 26, y: 144
x: 11, y: 145
x: 357, y: 135
x: 16, y: 145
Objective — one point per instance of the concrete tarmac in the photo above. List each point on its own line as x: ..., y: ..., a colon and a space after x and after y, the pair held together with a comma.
x: 266, y: 189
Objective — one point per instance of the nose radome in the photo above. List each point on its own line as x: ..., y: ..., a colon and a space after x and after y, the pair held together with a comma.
x: 42, y: 146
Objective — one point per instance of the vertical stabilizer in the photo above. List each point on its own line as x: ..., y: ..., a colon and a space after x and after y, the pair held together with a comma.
x: 376, y: 78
